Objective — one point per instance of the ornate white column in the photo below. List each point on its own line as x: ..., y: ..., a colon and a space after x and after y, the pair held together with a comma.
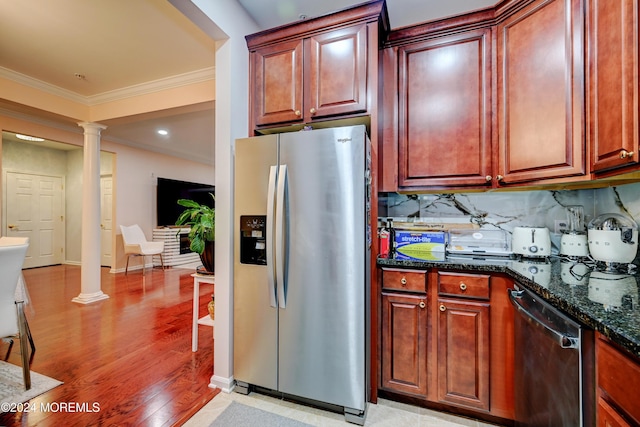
x: 90, y: 290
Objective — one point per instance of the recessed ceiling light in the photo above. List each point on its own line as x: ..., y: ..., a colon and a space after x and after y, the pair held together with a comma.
x: 163, y: 132
x: 28, y: 138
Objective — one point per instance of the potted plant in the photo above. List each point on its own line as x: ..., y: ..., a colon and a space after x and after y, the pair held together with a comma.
x: 202, y: 235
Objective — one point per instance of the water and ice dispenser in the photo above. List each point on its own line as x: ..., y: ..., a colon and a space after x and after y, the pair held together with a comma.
x: 253, y: 239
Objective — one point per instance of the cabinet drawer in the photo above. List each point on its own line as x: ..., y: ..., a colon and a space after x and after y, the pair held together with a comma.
x: 618, y: 375
x: 404, y: 280
x: 463, y: 285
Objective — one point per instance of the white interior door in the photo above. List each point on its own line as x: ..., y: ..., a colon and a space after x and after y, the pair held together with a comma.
x: 35, y: 209
x: 106, y: 219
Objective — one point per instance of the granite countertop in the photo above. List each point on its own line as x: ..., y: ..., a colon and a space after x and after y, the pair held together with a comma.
x: 606, y: 302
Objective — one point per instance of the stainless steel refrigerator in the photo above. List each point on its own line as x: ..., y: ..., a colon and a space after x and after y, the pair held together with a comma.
x: 301, y: 266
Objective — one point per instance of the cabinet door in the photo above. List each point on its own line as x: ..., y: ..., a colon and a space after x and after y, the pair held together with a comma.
x: 540, y: 92
x: 463, y: 353
x: 404, y: 343
x: 618, y: 380
x: 337, y: 81
x: 277, y: 83
x: 613, y: 83
x: 445, y: 111
x: 608, y: 416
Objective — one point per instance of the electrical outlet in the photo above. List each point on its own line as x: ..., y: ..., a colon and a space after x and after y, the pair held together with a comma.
x: 560, y: 225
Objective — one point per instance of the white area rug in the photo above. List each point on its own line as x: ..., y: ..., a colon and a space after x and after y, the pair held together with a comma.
x: 12, y: 385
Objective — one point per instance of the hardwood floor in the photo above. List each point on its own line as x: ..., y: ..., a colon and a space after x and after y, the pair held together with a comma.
x: 131, y: 353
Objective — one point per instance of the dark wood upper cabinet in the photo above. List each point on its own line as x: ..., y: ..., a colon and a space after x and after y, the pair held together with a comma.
x: 612, y: 83
x: 488, y: 99
x: 315, y: 70
x: 338, y: 72
x: 541, y: 92
x: 444, y: 111
x: 277, y: 76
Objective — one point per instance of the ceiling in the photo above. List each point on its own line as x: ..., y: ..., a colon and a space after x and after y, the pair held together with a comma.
x: 92, y: 48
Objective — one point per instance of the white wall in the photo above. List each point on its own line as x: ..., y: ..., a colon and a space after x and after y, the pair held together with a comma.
x: 232, y: 100
x: 135, y: 176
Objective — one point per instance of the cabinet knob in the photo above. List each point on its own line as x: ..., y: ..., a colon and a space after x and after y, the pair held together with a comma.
x: 442, y: 307
x: 12, y: 226
x: 463, y: 287
x: 403, y: 281
x: 422, y: 304
x: 488, y: 178
x: 499, y: 177
x: 312, y: 111
x: 624, y: 154
x: 298, y: 113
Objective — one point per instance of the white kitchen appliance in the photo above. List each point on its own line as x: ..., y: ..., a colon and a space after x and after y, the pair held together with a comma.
x: 532, y: 242
x: 573, y: 243
x: 478, y: 242
x: 613, y: 238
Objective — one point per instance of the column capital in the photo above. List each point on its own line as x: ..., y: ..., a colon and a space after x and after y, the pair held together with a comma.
x: 91, y: 127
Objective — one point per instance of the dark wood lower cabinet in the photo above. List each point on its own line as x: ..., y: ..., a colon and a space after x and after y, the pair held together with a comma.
x: 618, y: 381
x: 463, y: 353
x: 404, y: 343
x: 608, y: 416
x: 449, y: 346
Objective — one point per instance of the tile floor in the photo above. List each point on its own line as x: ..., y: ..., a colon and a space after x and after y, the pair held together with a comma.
x: 385, y: 414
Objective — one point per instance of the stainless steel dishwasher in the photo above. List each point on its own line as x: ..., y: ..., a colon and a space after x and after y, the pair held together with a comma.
x: 554, y: 366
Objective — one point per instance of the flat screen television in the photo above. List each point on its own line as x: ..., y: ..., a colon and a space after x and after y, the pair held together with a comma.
x: 169, y: 191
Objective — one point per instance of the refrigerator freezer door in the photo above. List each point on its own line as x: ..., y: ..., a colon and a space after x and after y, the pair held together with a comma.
x: 322, y: 327
x: 255, y: 322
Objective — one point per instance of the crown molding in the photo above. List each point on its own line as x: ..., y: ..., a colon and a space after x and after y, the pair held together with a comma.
x: 40, y: 85
x: 185, y: 79
x: 40, y: 121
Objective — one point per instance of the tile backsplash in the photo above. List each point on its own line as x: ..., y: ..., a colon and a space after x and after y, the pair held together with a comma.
x: 506, y: 210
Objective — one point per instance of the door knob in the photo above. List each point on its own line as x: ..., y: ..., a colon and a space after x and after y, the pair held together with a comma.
x: 499, y: 177
x: 298, y: 113
x: 312, y: 111
x: 422, y: 304
x: 442, y: 307
x: 488, y: 178
x: 624, y: 154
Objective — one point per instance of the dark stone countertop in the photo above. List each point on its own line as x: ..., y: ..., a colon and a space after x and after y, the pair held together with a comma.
x: 605, y: 302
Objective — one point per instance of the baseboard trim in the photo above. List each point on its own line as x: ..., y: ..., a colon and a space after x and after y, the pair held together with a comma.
x: 224, y: 384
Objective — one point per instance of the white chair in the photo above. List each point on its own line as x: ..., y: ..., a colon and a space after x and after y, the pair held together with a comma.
x: 13, y: 322
x: 136, y: 244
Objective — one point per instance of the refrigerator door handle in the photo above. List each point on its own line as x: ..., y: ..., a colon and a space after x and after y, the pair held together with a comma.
x: 280, y: 230
x: 271, y: 203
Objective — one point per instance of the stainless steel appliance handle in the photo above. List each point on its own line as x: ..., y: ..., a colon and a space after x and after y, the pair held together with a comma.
x: 271, y: 199
x: 280, y: 231
x: 563, y: 340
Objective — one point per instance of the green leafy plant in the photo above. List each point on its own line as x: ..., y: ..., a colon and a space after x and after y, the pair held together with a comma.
x: 201, y: 219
